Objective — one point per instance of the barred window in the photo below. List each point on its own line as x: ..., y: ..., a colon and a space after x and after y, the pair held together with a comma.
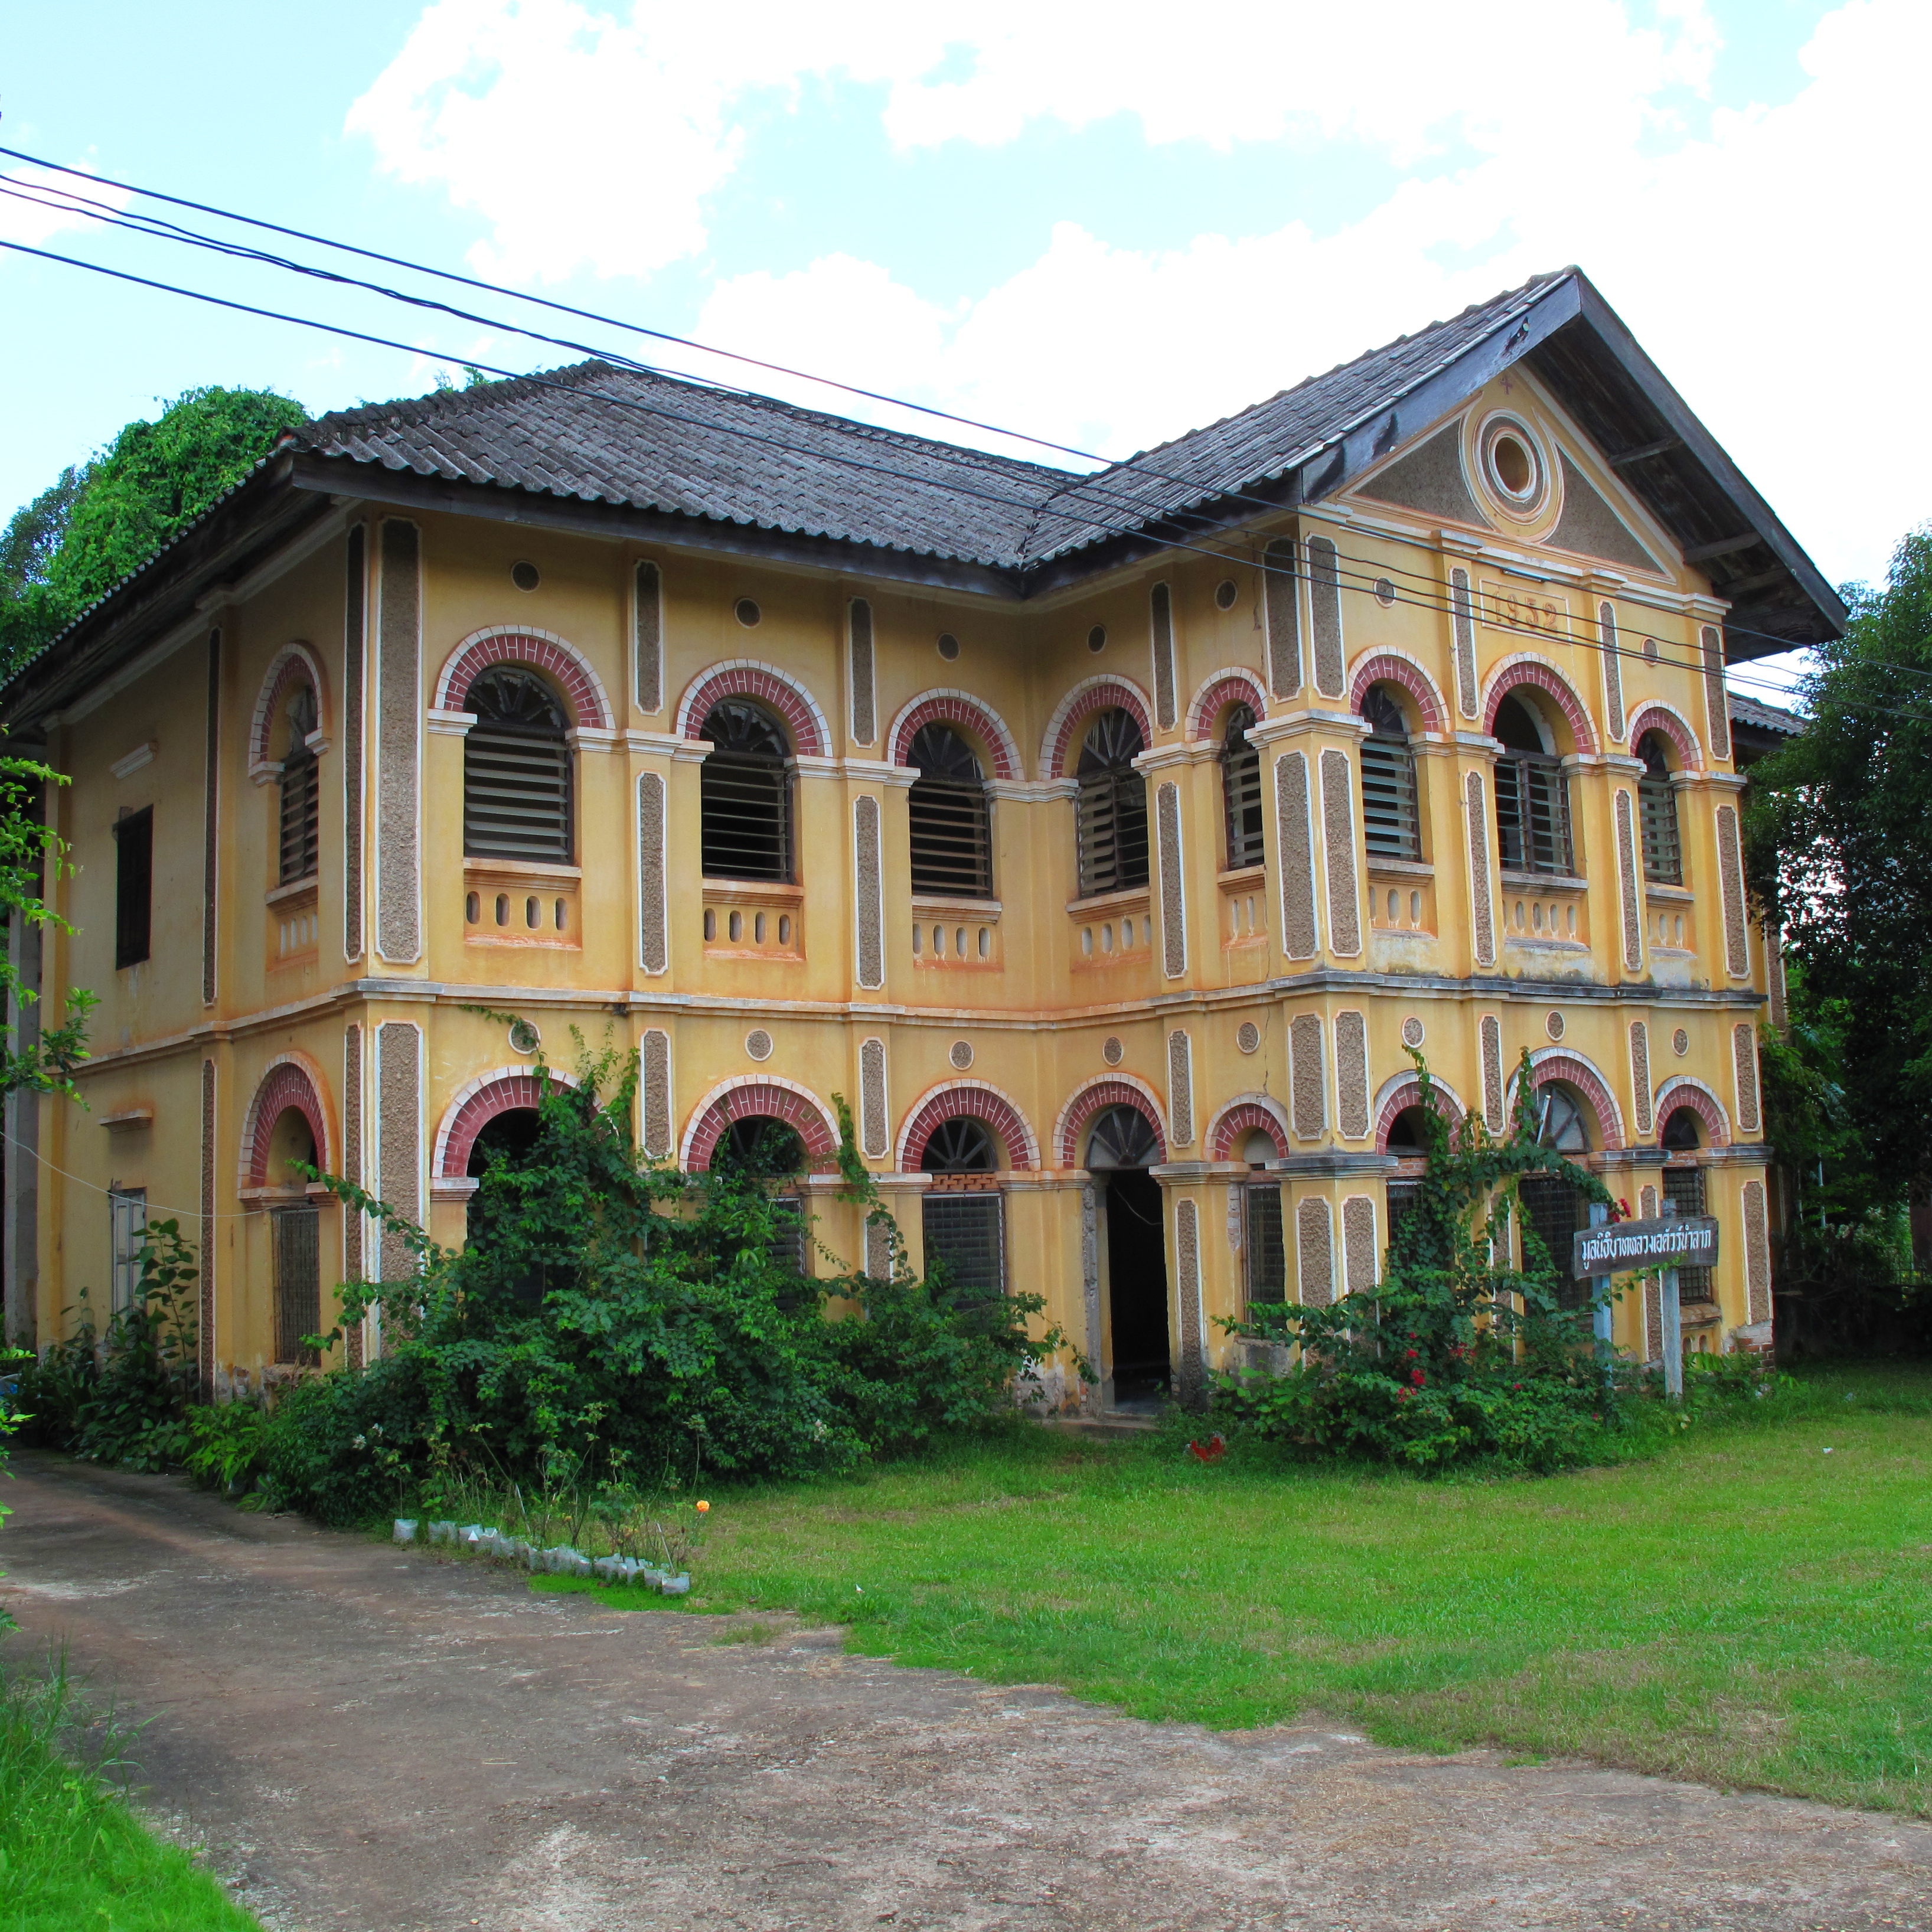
x: 963, y: 1227
x: 301, y: 793
x: 297, y: 1272
x: 1656, y: 806
x: 745, y: 794
x: 1266, y: 1252
x: 1111, y: 806
x: 1552, y: 1210
x: 1683, y: 1194
x: 1532, y: 798
x: 1391, y: 826
x: 1241, y: 789
x: 769, y: 1149
x: 951, y: 832
x: 516, y: 771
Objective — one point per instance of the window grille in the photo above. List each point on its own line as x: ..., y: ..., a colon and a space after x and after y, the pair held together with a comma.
x: 770, y: 1148
x: 745, y: 789
x: 1532, y: 799
x: 1553, y: 1211
x: 1241, y: 790
x: 133, y: 886
x: 1112, y: 807
x: 963, y: 1232
x: 1684, y: 1189
x: 128, y: 1228
x: 516, y: 771
x: 1657, y: 808
x: 1391, y: 826
x: 301, y: 793
x: 952, y: 841
x: 297, y: 1282
x: 1267, y: 1253
x: 1405, y: 1202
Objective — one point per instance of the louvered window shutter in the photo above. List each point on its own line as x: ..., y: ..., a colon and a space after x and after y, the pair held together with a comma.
x: 516, y: 772
x: 951, y: 831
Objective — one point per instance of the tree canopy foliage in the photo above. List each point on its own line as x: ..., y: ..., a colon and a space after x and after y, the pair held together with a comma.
x: 1840, y: 827
x: 106, y: 517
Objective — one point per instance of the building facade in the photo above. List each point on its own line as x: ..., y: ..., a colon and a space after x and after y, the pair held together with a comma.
x: 1107, y: 843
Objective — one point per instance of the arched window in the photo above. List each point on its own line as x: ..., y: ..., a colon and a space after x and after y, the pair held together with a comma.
x: 1532, y: 796
x: 771, y: 1149
x: 516, y: 771
x: 1241, y: 789
x: 1683, y: 1194
x: 962, y: 1223
x: 301, y: 804
x: 952, y: 835
x: 1112, y: 806
x: 745, y: 787
x: 1551, y: 1208
x: 1656, y: 806
x: 295, y: 1228
x: 1391, y: 827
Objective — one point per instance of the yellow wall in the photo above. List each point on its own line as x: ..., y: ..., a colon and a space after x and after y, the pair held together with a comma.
x: 1035, y: 1020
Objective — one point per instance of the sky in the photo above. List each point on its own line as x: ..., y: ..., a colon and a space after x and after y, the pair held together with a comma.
x: 1099, y: 225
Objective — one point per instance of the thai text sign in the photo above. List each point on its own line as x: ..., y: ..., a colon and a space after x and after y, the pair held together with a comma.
x: 1622, y: 1247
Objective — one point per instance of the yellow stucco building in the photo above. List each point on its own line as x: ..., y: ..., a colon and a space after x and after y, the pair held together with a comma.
x: 1106, y: 840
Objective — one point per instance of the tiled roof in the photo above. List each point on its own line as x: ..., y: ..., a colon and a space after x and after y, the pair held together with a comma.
x: 597, y: 432
x: 1764, y: 717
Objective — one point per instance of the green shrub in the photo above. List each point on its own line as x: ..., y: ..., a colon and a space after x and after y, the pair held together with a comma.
x: 227, y: 1443
x: 613, y: 1319
x: 1450, y: 1358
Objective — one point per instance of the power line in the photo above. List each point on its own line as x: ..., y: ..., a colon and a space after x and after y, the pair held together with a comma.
x: 1438, y: 600
x: 1136, y: 465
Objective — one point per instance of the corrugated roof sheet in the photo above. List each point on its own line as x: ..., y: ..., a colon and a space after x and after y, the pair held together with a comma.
x: 597, y: 432
x: 1766, y: 717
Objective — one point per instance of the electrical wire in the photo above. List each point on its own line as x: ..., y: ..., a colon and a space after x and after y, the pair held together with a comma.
x: 1137, y: 465
x: 152, y: 1206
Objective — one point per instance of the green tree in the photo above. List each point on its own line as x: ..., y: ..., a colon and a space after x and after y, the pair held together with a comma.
x: 75, y: 541
x: 1839, y: 827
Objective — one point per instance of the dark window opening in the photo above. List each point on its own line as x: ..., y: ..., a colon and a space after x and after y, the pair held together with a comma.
x: 1241, y: 790
x: 745, y: 788
x: 952, y: 831
x: 298, y: 1271
x: 133, y: 886
x: 962, y: 1145
x: 1684, y: 1191
x: 300, y: 794
x: 1532, y: 798
x: 773, y: 1150
x: 1111, y: 807
x: 516, y: 771
x: 1391, y: 825
x: 1657, y: 807
x: 1552, y: 1210
x: 507, y: 1138
x: 1267, y: 1251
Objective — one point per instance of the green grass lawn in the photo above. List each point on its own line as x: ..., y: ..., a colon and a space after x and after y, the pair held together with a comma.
x: 72, y: 1857
x: 1742, y: 1609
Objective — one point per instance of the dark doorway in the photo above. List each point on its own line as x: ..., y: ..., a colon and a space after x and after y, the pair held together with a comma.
x: 506, y: 1138
x: 1122, y: 1148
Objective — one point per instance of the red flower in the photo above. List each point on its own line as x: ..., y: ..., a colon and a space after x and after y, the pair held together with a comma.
x: 1417, y: 1377
x: 1411, y: 1355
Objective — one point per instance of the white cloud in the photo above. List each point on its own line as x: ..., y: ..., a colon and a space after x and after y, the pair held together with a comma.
x: 49, y: 209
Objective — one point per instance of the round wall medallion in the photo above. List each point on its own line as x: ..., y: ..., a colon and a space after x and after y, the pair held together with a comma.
x: 525, y: 576
x: 1248, y: 1036
x: 1112, y: 1051
x: 1652, y: 650
x: 1385, y: 591
x: 1553, y: 1026
x: 948, y: 646
x: 747, y: 612
x: 1513, y: 466
x: 524, y: 1037
x: 1412, y: 1032
x: 1225, y: 593
x: 758, y: 1043
x: 1680, y: 1043
x: 1096, y: 638
x: 961, y: 1055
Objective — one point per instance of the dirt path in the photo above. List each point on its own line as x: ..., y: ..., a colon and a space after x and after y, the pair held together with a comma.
x: 378, y: 1742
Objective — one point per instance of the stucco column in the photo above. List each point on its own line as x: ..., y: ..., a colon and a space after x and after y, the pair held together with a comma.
x: 1186, y: 1210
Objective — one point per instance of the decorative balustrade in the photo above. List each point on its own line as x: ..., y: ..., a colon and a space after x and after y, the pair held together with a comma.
x: 1244, y: 909
x: 1115, y: 930
x: 508, y: 903
x: 955, y: 933
x: 754, y: 921
x: 1548, y: 911
x: 1401, y: 898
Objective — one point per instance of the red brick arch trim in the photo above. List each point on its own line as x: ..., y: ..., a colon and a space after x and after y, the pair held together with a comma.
x: 294, y: 1081
x: 503, y: 1091
x: 1224, y: 688
x: 562, y: 663
x: 1513, y: 673
x: 1238, y: 1121
x: 957, y: 707
x: 1685, y: 1092
x: 293, y: 664
x: 1409, y: 1094
x: 810, y: 735
x: 1660, y: 718
x: 755, y: 1099
x: 1579, y: 1074
x: 1386, y: 667
x: 1080, y: 1112
x: 969, y: 1099
x: 1097, y: 693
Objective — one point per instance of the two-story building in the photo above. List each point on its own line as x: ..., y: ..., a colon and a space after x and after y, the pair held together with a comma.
x: 1107, y: 840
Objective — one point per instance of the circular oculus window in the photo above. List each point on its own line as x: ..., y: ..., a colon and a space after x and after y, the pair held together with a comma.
x: 1112, y: 1051
x: 1513, y: 467
x: 525, y: 576
x: 1096, y: 638
x: 747, y: 612
x: 1225, y: 593
x: 948, y: 646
